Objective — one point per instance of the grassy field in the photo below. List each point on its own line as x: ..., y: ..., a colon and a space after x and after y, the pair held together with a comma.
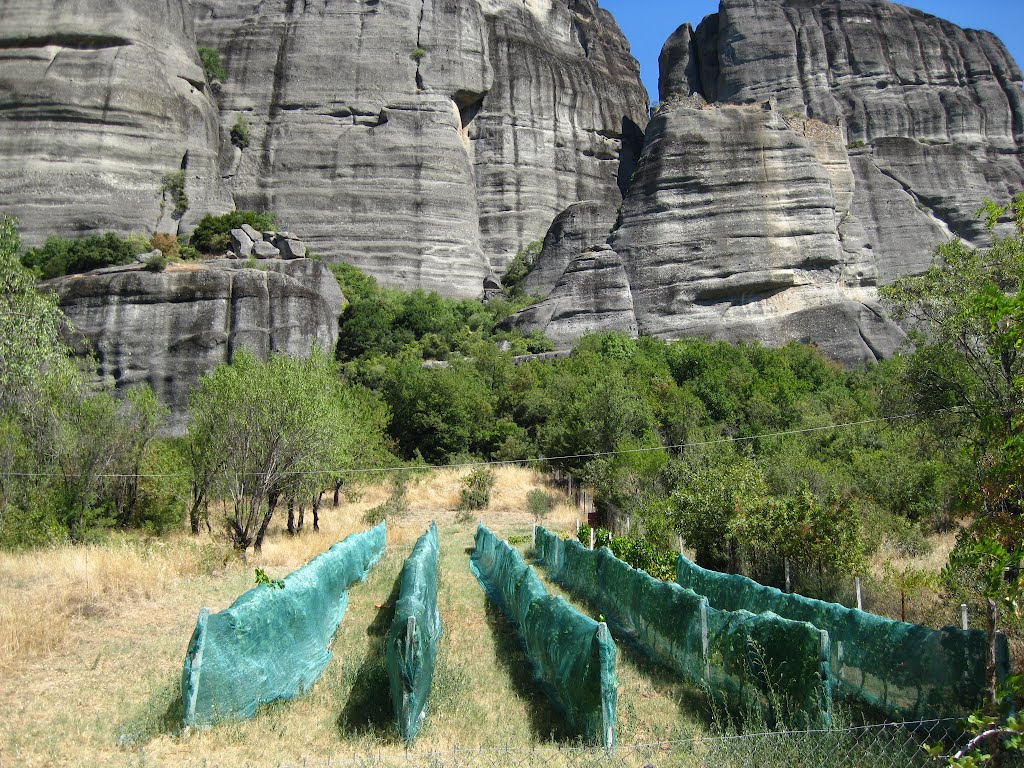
x: 92, y: 641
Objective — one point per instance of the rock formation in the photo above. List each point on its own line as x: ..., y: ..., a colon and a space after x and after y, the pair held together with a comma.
x: 577, y: 229
x: 426, y: 141
x: 167, y: 329
x: 843, y: 142
x: 99, y: 102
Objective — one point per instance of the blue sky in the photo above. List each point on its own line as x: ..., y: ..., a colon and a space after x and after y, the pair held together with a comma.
x: 648, y: 23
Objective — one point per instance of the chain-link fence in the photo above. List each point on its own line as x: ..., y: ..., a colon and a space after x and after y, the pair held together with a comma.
x: 903, y: 745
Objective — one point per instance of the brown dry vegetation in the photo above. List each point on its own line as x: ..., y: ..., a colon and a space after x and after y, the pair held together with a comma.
x: 92, y: 641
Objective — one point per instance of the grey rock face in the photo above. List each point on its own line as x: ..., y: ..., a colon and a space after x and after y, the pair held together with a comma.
x: 574, y: 231
x: 99, y: 101
x: 737, y: 227
x: 844, y: 141
x: 940, y: 108
x: 459, y: 130
x: 593, y: 294
x: 167, y: 329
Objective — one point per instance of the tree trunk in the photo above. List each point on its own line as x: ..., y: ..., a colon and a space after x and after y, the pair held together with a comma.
x: 316, y: 510
x: 291, y: 516
x: 993, y: 653
x: 302, y: 518
x: 337, y: 492
x: 272, y: 499
x: 193, y: 515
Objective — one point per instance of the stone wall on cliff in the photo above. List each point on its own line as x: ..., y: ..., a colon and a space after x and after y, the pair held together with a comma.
x: 167, y: 329
x: 99, y: 101
x: 426, y: 141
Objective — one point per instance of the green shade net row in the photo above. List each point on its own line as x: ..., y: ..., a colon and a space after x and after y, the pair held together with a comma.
x: 273, y: 643
x: 572, y: 656
x: 767, y: 665
x: 902, y: 671
x: 413, y: 639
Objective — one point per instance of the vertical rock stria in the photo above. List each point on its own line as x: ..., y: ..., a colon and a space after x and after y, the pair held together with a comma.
x: 425, y: 141
x: 99, y: 102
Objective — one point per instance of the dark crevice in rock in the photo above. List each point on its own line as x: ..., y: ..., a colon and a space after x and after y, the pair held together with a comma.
x: 469, y: 105
x: 420, y: 86
x: 65, y: 40
x: 580, y: 38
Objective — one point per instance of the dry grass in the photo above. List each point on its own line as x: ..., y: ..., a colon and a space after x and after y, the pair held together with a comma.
x: 93, y: 640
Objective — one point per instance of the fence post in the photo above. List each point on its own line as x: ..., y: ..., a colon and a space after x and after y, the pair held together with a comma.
x: 705, y: 645
x: 629, y: 524
x: 681, y: 552
x: 535, y: 535
x: 860, y: 596
x: 785, y: 562
x: 593, y: 538
x: 577, y: 527
x: 964, y: 622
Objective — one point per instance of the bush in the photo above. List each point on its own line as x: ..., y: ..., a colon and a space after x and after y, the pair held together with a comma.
x: 354, y: 283
x: 213, y: 233
x: 477, y: 493
x: 213, y: 65
x: 396, y: 505
x: 540, y: 503
x: 418, y: 54
x: 167, y: 245
x: 174, y: 188
x: 522, y: 265
x: 157, y: 263
x: 240, y: 132
x: 62, y: 256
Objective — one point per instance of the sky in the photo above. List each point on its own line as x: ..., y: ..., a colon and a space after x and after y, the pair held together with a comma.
x: 648, y: 23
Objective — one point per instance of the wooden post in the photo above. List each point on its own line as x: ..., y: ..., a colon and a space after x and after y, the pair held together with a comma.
x: 705, y: 644
x: 785, y: 563
x: 860, y: 596
x: 629, y: 525
x: 535, y: 535
x: 681, y: 548
x: 577, y: 527
x: 964, y: 621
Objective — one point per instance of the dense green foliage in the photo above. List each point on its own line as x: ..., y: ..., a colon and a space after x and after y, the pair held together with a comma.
x: 63, y: 256
x: 212, y: 234
x: 260, y: 433
x: 213, y: 65
x: 520, y: 268
x: 477, y: 493
x: 240, y: 132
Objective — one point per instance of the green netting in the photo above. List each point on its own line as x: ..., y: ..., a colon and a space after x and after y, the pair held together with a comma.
x: 415, y: 632
x: 273, y: 643
x: 774, y: 666
x: 573, y: 657
x: 904, y: 671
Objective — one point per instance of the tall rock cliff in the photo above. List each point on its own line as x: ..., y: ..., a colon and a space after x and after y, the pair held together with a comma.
x: 805, y: 151
x: 99, y: 101
x: 168, y: 329
x: 426, y: 141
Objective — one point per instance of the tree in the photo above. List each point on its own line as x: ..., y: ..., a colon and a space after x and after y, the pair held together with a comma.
x: 966, y: 376
x: 262, y: 432
x: 29, y: 321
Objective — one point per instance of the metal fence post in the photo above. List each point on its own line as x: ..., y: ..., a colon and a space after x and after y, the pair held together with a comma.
x: 860, y: 596
x: 964, y: 620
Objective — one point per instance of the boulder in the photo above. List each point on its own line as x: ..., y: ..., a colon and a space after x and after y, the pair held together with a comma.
x: 253, y: 233
x: 241, y: 244
x: 575, y: 230
x: 291, y: 248
x: 265, y: 250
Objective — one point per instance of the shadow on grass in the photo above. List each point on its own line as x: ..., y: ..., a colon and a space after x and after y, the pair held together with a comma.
x: 369, y: 710
x: 546, y: 722
x: 161, y: 714
x: 691, y: 700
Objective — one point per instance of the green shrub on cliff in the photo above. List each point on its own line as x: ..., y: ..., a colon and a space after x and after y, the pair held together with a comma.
x: 63, y: 256
x: 213, y: 233
x: 213, y: 65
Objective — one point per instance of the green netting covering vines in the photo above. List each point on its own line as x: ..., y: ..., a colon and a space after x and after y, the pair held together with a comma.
x: 415, y: 632
x: 273, y: 642
x: 764, y: 664
x: 903, y: 671
x: 573, y: 657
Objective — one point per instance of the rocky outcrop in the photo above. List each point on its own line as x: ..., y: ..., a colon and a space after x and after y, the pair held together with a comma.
x: 458, y: 131
x: 574, y: 231
x: 99, y: 102
x: 167, y: 329
x: 805, y: 152
x: 737, y: 227
x: 939, y: 109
